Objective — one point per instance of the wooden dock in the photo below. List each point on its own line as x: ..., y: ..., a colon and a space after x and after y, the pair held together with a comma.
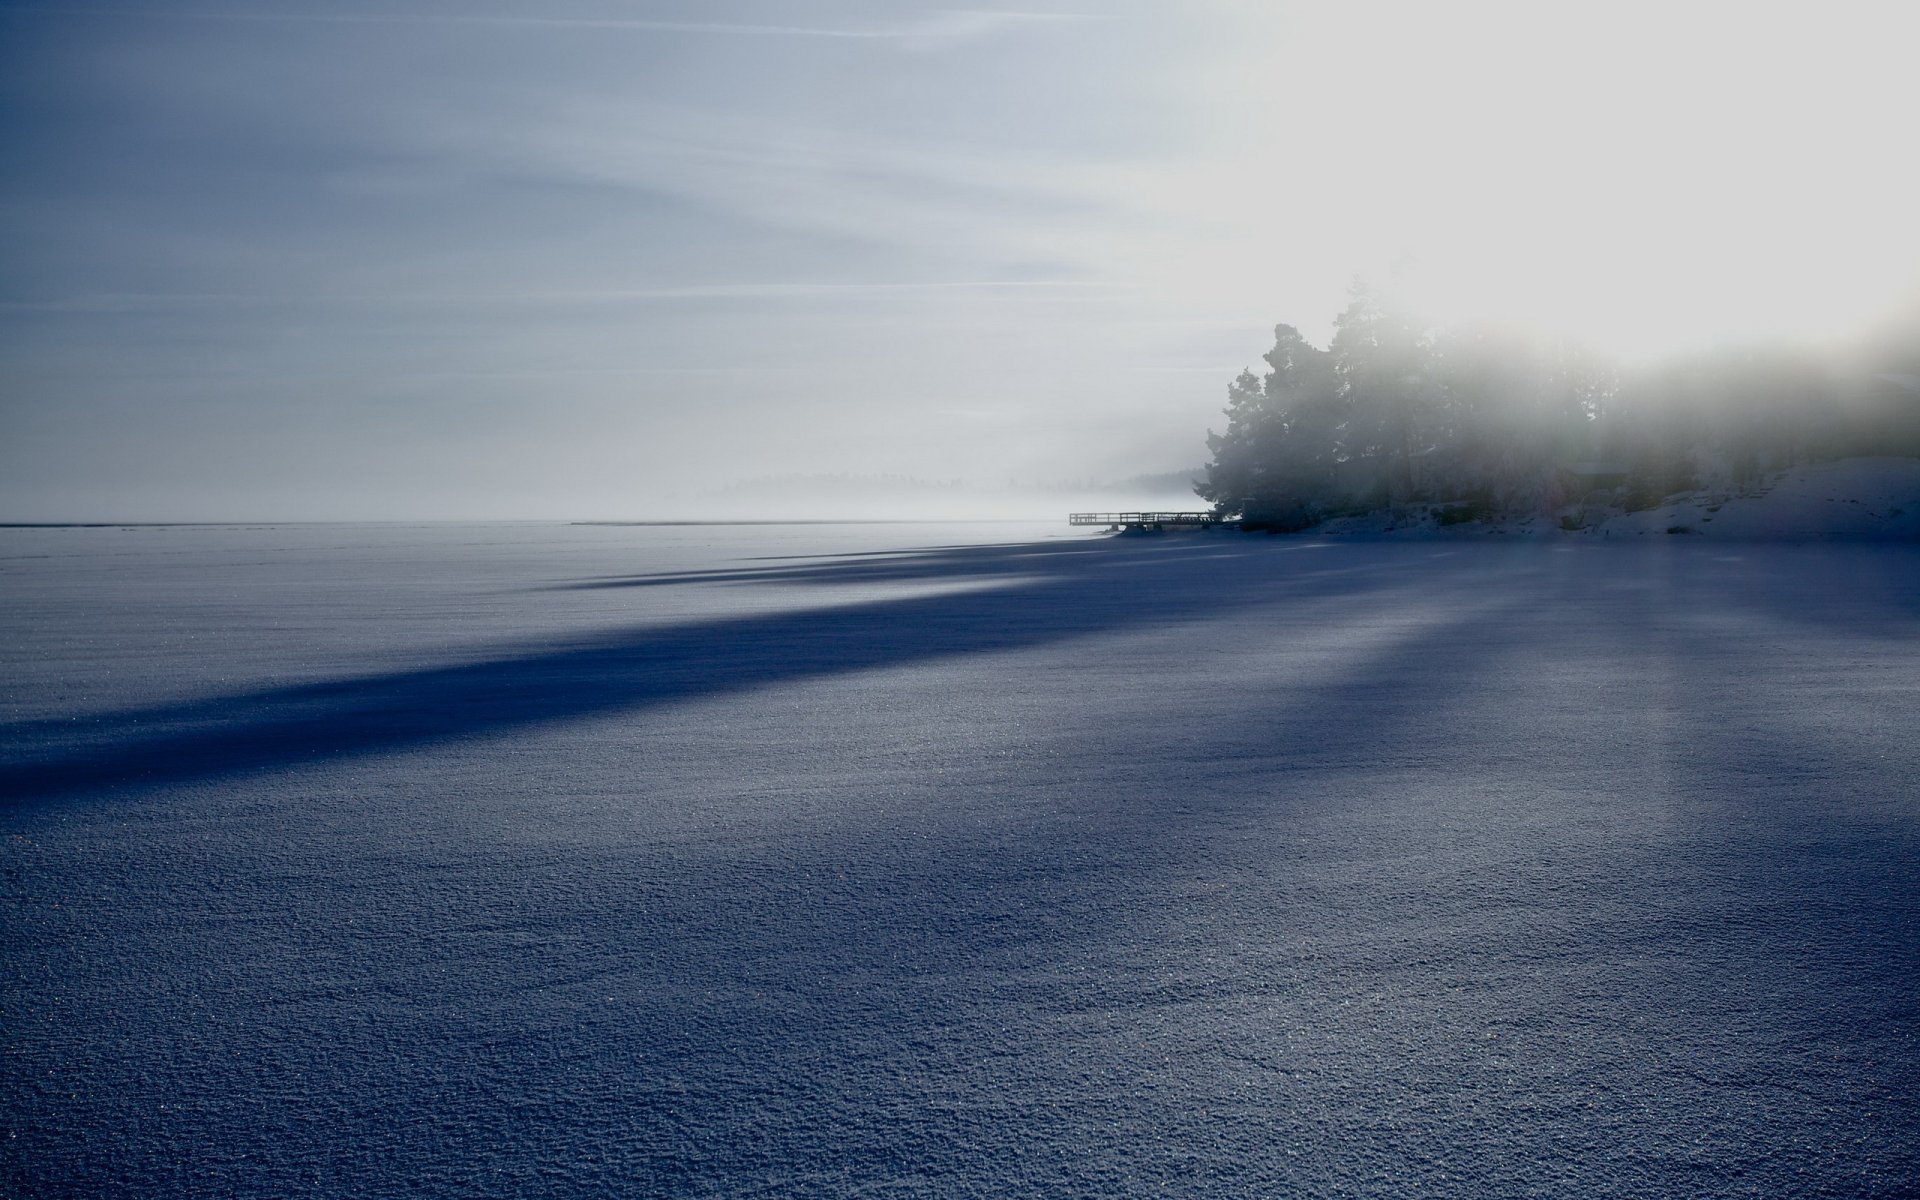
x: 1148, y: 520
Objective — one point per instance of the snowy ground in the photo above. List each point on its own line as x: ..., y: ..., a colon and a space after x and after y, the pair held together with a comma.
x: 955, y: 860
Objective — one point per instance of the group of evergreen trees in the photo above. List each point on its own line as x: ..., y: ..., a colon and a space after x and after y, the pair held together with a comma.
x: 1481, y: 421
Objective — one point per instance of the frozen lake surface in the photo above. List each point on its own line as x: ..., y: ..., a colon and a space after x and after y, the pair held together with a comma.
x: 955, y: 860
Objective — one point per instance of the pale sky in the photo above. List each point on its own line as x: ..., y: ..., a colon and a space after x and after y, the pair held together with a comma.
x: 599, y: 258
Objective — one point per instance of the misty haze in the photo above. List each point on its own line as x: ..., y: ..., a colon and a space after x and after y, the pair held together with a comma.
x: 829, y: 599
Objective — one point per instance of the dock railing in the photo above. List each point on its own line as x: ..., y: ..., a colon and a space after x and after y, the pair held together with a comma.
x: 1147, y: 520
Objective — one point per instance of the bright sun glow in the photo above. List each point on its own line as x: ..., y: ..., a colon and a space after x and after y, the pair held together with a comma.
x: 1646, y: 178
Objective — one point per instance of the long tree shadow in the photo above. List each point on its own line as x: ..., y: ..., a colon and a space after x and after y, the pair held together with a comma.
x: 999, y: 598
x: 1015, y: 596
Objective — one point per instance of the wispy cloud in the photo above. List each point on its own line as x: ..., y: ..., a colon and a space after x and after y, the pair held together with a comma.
x: 932, y: 29
x: 968, y: 203
x: 161, y: 301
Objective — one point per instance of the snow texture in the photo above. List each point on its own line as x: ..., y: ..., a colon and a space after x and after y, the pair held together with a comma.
x: 956, y: 861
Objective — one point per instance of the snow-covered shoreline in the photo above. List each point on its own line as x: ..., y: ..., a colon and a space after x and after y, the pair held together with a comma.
x: 1856, y: 499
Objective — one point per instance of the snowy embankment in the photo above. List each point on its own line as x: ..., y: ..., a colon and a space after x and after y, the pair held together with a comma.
x: 955, y: 861
x: 1855, y: 499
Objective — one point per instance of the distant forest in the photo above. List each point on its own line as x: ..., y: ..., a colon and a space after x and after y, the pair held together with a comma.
x: 1478, y: 422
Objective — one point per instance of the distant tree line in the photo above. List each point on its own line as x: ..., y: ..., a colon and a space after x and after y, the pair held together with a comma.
x: 1480, y: 421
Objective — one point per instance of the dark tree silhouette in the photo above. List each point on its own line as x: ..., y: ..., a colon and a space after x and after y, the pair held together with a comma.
x: 1479, y: 420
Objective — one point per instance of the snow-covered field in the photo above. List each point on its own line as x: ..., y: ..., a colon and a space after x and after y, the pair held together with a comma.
x: 956, y: 860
